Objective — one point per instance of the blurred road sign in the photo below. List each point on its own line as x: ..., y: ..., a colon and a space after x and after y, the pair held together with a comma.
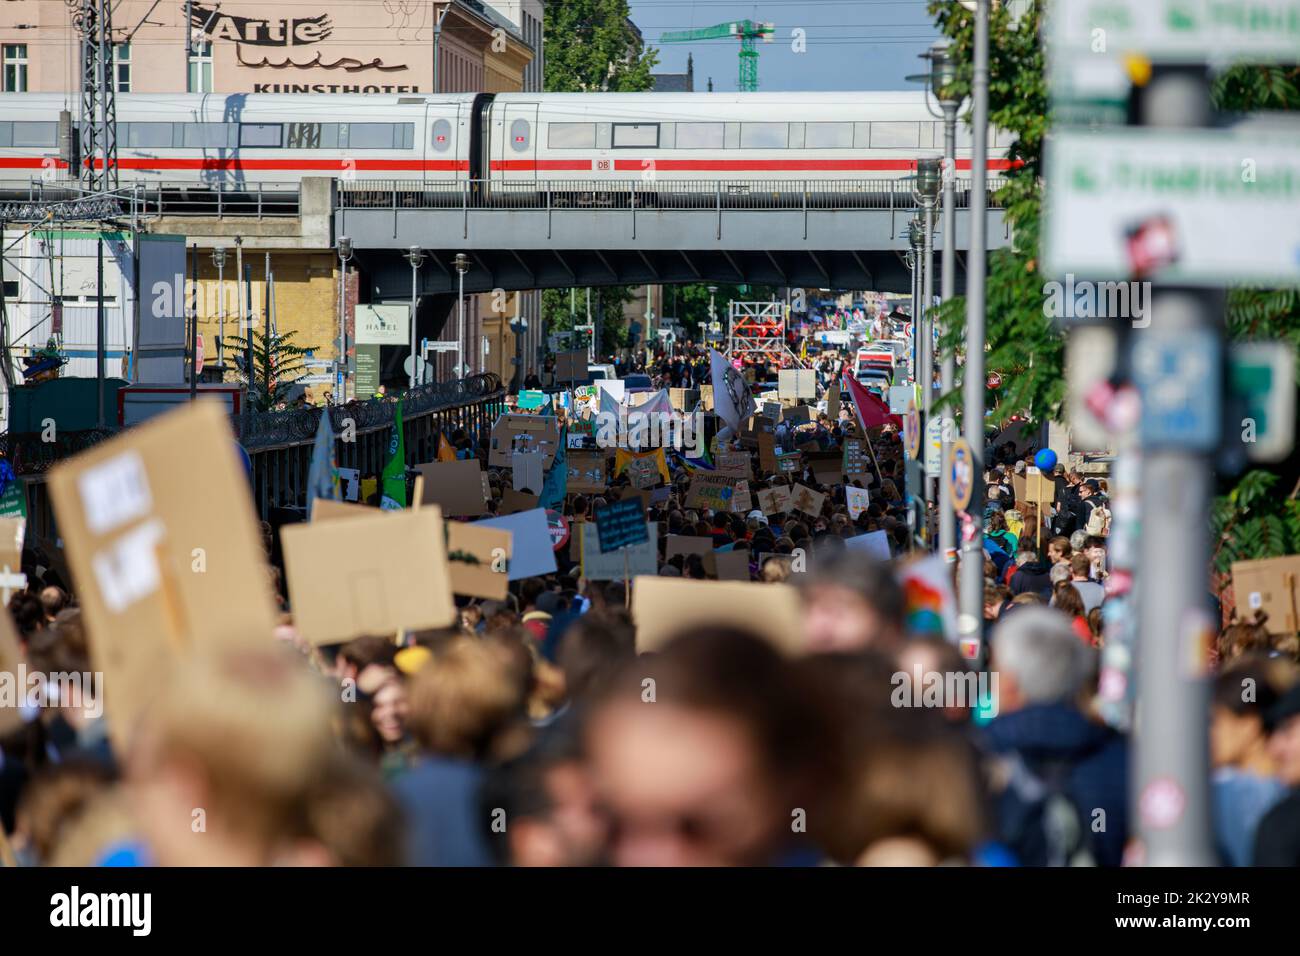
x: 1225, y: 205
x: 933, y: 446
x: 1261, y: 378
x: 1176, y: 31
x: 1178, y: 376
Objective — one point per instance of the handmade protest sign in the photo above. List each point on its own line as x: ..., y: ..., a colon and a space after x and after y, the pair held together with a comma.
x: 1270, y: 585
x: 733, y: 463
x: 797, y: 383
x: 662, y: 608
x: 156, y: 574
x: 789, y: 464
x: 531, y: 549
x: 806, y: 500
x: 773, y: 501
x: 633, y: 560
x: 711, y: 491
x: 857, y: 499
x: 767, y: 462
x: 478, y: 559
x: 454, y: 486
x: 12, y: 533
x: 620, y: 524
x: 379, y: 573
x: 827, y: 466
x: 587, y: 472
x: 742, y: 501
x: 534, y: 432
x: 856, y: 460
x: 11, y: 717
x: 526, y: 470
x: 513, y: 502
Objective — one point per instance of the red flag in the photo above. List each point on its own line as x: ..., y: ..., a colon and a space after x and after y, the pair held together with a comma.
x: 872, y: 412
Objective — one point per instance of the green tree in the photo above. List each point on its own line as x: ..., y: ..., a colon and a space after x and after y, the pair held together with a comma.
x: 277, y: 352
x: 1250, y: 519
x: 592, y: 45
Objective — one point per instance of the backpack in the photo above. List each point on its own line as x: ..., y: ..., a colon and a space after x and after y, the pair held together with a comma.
x: 1041, y: 822
x: 1099, y: 521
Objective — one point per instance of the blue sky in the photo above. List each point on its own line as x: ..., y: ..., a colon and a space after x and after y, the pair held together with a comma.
x: 851, y: 44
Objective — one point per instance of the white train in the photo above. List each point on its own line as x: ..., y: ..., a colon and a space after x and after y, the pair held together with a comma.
x: 506, y: 143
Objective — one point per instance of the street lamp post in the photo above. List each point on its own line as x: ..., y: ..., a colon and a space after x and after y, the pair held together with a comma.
x: 461, y: 262
x: 415, y: 256
x: 916, y: 239
x: 344, y: 247
x: 219, y: 260
x: 971, y: 605
x: 929, y: 176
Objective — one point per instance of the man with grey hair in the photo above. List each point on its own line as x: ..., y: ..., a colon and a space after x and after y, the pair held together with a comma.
x: 1063, y: 796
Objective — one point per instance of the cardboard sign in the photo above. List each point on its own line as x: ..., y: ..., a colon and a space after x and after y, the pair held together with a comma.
x: 767, y: 462
x: 1039, y: 488
x: 827, y: 467
x: 634, y: 560
x: 513, y: 502
x: 1271, y: 585
x: 531, y: 550
x: 833, y: 401
x: 742, y: 501
x: 711, y: 491
x: 706, y: 397
x: 796, y: 413
x: 790, y: 464
x: 806, y: 500
x: 454, y: 486
x: 587, y: 472
x: 662, y: 608
x: 797, y: 383
x: 380, y: 573
x: 571, y: 366
x: 12, y: 533
x: 11, y: 717
x: 684, y: 399
x: 326, y: 510
x: 733, y: 463
x: 771, y: 410
x: 686, y: 544
x: 523, y: 431
x: 478, y: 559
x: 856, y: 457
x: 731, y: 565
x: 643, y: 473
x: 526, y: 471
x: 620, y: 524
x: 774, y: 501
x: 165, y: 550
x: 858, y: 499
x: 875, y: 543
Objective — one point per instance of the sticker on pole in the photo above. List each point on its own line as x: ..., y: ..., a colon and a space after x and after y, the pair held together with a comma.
x: 960, y: 474
x: 911, y: 430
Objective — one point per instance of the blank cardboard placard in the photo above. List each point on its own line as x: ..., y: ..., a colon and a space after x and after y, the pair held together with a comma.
x: 165, y: 551
x: 827, y: 466
x: 377, y: 574
x: 731, y: 565
x: 797, y: 383
x: 513, y: 502
x: 1039, y: 488
x: 527, y: 473
x: 531, y: 551
x: 454, y: 486
x: 796, y: 414
x: 10, y: 657
x: 662, y: 608
x: 686, y: 544
x: 12, y: 533
x: 472, y: 558
x: 326, y: 510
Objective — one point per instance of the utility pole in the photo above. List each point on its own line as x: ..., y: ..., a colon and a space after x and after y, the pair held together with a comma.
x: 100, y: 327
x: 970, y: 619
x: 98, y: 124
x: 194, y: 321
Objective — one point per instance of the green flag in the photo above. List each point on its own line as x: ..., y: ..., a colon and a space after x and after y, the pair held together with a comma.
x: 394, y: 476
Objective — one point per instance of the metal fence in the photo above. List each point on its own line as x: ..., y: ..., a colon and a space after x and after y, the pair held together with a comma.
x: 26, y: 200
x: 555, y: 195
x: 279, y: 444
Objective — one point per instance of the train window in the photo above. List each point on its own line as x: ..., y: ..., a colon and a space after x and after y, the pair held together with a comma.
x: 861, y: 135
x: 207, y: 135
x: 259, y: 134
x: 797, y: 135
x: 829, y: 136
x: 699, y: 135
x: 36, y: 134
x: 764, y: 135
x: 895, y: 135
x: 440, y: 136
x: 927, y: 136
x: 636, y: 135
x: 571, y: 135
x: 303, y: 136
x: 376, y: 135
x: 604, y: 135
x: 667, y: 135
x: 6, y: 134
x: 731, y: 136
x: 146, y: 135
x: 520, y: 137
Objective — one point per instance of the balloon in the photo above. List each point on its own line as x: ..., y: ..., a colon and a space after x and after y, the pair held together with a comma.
x: 1045, y: 460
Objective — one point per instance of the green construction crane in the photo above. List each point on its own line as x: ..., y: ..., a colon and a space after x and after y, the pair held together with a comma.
x: 746, y: 30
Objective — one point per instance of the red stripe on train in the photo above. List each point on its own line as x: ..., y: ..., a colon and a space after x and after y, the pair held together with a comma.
x: 281, y: 165
x: 791, y: 165
x: 518, y: 165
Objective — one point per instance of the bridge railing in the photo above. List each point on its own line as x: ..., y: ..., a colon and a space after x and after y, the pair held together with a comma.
x: 220, y: 200
x: 665, y: 194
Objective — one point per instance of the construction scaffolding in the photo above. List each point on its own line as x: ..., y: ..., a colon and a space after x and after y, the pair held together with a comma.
x: 757, y: 334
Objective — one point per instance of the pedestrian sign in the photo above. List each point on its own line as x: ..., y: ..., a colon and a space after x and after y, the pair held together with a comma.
x: 1179, y: 377
x: 1261, y: 378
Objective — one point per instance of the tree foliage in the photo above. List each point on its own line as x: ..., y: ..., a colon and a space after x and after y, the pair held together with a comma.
x: 277, y: 352
x: 592, y: 45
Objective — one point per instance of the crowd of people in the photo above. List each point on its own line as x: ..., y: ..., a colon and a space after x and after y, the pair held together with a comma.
x: 533, y: 733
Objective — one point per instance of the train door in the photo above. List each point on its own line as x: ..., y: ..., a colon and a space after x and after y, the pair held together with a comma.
x: 442, y: 145
x: 515, y: 129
